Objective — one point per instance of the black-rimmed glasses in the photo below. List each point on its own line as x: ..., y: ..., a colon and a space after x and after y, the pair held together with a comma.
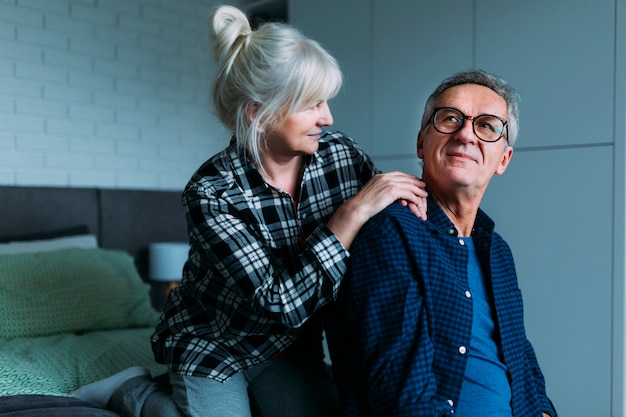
x: 487, y: 127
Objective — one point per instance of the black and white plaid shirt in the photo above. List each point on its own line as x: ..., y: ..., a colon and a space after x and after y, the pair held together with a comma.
x: 260, y: 264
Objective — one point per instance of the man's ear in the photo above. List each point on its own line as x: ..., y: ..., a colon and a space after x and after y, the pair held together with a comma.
x: 420, y: 145
x: 504, y: 162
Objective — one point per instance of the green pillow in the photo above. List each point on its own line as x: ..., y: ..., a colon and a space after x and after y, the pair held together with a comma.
x: 71, y: 290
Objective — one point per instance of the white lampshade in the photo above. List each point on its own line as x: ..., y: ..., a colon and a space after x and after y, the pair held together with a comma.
x: 167, y: 260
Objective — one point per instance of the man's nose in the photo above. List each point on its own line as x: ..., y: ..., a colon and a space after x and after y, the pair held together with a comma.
x: 466, y: 132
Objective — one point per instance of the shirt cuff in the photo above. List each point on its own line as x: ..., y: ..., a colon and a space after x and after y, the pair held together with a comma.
x: 330, y: 253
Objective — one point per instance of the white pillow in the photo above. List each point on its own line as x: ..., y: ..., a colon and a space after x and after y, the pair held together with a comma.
x: 45, y: 245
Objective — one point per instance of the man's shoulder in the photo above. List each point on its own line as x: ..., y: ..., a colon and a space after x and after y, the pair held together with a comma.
x: 395, y: 216
x: 396, y: 210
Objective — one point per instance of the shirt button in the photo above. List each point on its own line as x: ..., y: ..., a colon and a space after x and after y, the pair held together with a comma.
x: 461, y: 242
x: 451, y: 232
x: 451, y: 403
x: 303, y: 215
x: 468, y: 294
x: 462, y: 350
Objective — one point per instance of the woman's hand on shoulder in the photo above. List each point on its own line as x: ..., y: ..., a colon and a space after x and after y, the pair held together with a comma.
x: 384, y: 189
x: 379, y: 192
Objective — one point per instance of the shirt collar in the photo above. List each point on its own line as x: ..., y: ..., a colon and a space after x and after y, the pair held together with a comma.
x: 242, y: 170
x: 440, y: 222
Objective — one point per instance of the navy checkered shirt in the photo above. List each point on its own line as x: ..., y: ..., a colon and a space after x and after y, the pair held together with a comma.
x: 260, y: 265
x: 403, y: 321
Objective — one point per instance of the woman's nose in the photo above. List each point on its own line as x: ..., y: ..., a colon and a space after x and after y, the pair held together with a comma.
x: 326, y: 117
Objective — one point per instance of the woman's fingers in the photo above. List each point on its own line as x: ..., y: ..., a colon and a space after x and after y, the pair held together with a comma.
x: 384, y: 189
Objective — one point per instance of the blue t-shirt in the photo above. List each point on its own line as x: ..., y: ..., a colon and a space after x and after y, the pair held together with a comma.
x: 486, y: 390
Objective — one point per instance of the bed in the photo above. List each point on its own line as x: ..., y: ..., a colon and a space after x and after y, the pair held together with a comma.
x: 75, y: 302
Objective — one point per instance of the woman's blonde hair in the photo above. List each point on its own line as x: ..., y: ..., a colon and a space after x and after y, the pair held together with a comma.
x: 265, y: 75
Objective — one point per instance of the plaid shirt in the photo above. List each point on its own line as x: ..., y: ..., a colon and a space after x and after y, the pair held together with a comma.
x: 404, y: 318
x: 260, y: 265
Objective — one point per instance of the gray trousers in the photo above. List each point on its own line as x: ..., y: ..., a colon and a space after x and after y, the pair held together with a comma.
x: 292, y: 386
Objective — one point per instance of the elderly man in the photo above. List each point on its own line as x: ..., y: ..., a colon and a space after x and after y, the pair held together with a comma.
x: 430, y: 320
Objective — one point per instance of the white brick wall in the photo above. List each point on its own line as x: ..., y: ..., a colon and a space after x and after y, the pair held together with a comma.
x: 105, y: 93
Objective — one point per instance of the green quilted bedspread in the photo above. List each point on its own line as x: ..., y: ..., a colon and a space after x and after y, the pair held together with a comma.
x: 58, y: 364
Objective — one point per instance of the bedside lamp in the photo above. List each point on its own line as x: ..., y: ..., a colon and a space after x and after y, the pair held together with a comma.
x: 166, y: 262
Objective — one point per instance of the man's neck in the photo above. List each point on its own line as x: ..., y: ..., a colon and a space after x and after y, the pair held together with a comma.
x: 461, y: 208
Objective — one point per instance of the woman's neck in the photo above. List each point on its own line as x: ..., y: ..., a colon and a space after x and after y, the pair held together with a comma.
x: 284, y: 174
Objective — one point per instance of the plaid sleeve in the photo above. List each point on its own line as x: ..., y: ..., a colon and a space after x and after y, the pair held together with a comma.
x: 330, y: 255
x: 238, y: 263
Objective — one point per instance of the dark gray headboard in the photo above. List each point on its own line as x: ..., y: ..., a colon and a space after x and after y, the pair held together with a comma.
x: 122, y: 219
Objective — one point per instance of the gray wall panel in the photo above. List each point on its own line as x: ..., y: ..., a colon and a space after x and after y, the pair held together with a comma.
x: 560, y: 56
x: 412, y: 47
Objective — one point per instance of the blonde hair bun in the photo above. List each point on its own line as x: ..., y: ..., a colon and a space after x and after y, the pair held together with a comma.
x: 227, y: 24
